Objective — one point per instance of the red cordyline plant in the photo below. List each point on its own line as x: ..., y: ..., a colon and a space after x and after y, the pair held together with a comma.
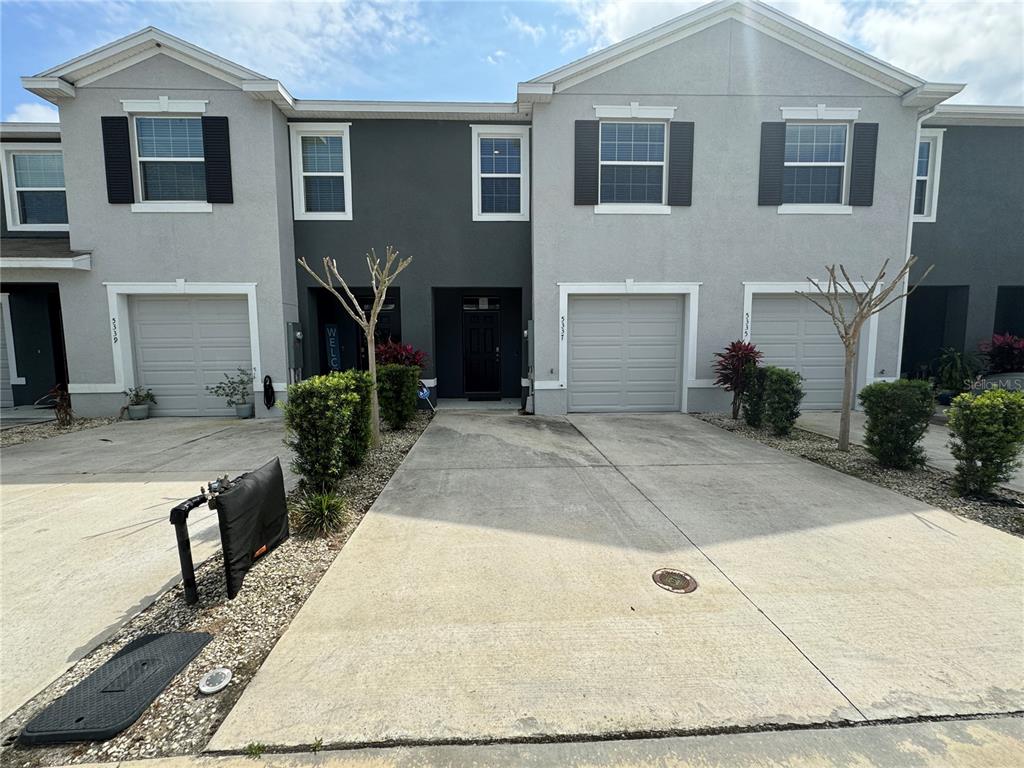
x: 394, y: 353
x: 1005, y: 353
x: 732, y: 367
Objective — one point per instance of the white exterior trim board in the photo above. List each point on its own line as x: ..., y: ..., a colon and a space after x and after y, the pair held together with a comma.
x: 296, y: 131
x: 633, y: 110
x: 12, y: 360
x: 820, y: 112
x: 164, y: 104
x: 82, y: 261
x: 521, y: 132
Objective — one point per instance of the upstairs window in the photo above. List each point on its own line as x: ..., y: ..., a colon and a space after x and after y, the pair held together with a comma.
x: 321, y: 177
x: 34, y: 188
x: 926, y: 175
x: 815, y: 164
x: 501, y: 172
x: 171, y: 160
x: 632, y: 163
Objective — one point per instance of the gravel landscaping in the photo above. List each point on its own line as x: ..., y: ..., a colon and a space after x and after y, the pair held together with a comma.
x: 932, y: 486
x: 181, y: 720
x: 28, y: 433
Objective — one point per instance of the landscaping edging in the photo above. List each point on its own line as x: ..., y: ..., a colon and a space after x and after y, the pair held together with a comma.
x: 180, y: 721
x: 930, y: 485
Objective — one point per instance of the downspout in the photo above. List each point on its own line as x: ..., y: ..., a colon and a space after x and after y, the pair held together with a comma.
x: 910, y: 236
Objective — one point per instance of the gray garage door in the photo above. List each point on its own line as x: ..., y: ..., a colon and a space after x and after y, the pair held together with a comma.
x: 625, y: 353
x: 181, y: 344
x: 793, y: 333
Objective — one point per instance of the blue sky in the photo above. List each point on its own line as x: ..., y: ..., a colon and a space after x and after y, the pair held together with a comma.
x: 478, y: 51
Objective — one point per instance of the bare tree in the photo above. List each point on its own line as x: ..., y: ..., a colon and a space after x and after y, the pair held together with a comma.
x: 381, y: 277
x: 849, y: 307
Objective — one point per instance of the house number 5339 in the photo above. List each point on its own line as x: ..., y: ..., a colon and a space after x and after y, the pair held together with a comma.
x: 113, y: 328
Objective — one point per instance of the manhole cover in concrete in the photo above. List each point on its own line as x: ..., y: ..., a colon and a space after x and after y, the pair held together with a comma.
x: 674, y: 581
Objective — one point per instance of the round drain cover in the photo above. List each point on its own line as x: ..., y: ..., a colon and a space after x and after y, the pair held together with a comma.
x: 215, y: 680
x: 674, y: 581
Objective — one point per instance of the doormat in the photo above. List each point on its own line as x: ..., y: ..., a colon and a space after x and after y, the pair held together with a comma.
x: 115, y: 695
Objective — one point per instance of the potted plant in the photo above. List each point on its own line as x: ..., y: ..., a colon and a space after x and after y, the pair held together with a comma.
x: 139, y: 400
x: 236, y: 390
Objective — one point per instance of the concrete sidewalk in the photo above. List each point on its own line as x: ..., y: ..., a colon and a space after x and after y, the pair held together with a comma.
x: 934, y: 441
x: 500, y: 588
x: 85, y: 541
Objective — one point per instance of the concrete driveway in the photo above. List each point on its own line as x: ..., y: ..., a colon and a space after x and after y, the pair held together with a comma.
x: 84, y: 536
x: 500, y: 588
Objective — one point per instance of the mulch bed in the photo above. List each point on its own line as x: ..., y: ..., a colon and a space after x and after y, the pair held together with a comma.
x: 29, y: 433
x: 1004, y: 511
x: 181, y: 720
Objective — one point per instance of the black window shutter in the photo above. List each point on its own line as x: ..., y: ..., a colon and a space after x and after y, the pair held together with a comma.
x: 680, y: 163
x: 586, y: 161
x: 217, y: 151
x: 862, y: 163
x: 773, y: 157
x: 117, y: 158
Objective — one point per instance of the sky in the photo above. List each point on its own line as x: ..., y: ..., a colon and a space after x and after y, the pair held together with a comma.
x: 424, y: 50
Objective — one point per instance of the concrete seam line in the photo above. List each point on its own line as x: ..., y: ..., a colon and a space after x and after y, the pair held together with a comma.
x: 724, y: 574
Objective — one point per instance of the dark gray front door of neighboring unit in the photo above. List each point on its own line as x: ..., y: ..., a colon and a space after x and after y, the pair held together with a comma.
x: 481, y: 339
x: 625, y: 353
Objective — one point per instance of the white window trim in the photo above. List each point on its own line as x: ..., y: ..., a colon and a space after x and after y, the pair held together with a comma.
x: 298, y: 130
x: 118, y: 295
x: 842, y: 207
x: 164, y: 104
x: 633, y: 111
x: 689, y: 290
x: 12, y: 360
x: 161, y: 206
x: 820, y: 112
x: 521, y: 132
x: 662, y: 208
x: 931, y: 192
x: 10, y: 195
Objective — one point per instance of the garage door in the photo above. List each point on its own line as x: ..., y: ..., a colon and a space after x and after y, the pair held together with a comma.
x: 181, y: 344
x: 793, y: 333
x: 625, y: 353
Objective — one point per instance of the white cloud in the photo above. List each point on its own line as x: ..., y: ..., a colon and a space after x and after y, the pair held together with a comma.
x: 978, y: 43
x: 524, y: 29
x: 33, y: 112
x: 496, y: 57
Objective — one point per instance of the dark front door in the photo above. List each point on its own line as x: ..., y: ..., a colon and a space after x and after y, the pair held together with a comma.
x: 481, y: 337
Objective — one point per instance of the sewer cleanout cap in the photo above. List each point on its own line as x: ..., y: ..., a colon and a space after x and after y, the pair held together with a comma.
x: 674, y: 580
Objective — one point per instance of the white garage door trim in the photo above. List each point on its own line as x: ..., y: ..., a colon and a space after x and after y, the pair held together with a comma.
x: 749, y: 289
x: 690, y: 291
x: 120, y: 328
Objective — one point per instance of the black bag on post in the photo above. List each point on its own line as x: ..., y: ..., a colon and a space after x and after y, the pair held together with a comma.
x: 253, y: 518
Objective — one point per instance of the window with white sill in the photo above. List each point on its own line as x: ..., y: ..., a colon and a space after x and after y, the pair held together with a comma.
x: 171, y: 161
x: 814, y: 171
x: 632, y: 163
x: 926, y: 175
x: 34, y: 188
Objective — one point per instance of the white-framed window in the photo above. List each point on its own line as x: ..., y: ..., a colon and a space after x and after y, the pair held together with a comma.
x: 815, y: 165
x: 926, y: 174
x: 321, y: 171
x: 501, y: 172
x: 170, y: 159
x: 631, y: 159
x: 34, y: 195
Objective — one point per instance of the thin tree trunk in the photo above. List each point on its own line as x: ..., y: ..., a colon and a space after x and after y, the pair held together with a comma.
x: 374, y: 402
x: 849, y: 371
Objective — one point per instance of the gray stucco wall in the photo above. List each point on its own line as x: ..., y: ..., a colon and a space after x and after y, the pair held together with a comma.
x: 245, y: 242
x: 977, y: 238
x: 727, y: 80
x: 412, y: 188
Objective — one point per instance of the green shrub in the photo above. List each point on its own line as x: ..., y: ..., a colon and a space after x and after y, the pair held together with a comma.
x: 319, y: 513
x: 987, y: 437
x: 397, y: 386
x: 317, y: 419
x: 782, y: 396
x: 897, y: 418
x: 357, y: 440
x: 753, y: 397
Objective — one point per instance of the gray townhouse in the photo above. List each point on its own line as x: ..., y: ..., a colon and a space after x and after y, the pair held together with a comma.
x: 591, y: 243
x: 968, y: 224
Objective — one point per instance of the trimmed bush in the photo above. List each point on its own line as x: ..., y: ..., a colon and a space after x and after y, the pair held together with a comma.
x: 732, y: 366
x: 782, y: 396
x: 987, y: 436
x: 357, y: 439
x: 397, y: 386
x: 319, y: 513
x: 897, y: 418
x: 317, y: 419
x: 753, y: 397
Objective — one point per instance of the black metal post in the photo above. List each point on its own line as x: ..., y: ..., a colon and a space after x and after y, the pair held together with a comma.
x: 179, y: 519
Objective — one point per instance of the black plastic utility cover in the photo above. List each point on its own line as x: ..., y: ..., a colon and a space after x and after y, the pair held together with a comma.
x: 115, y: 695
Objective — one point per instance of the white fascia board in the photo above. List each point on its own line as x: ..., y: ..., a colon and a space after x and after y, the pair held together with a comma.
x: 973, y: 114
x: 165, y: 104
x: 82, y: 261
x: 928, y: 95
x: 820, y: 112
x: 30, y: 130
x: 48, y: 88
x: 537, y: 93
x: 633, y: 110
x: 412, y: 108
x: 269, y: 90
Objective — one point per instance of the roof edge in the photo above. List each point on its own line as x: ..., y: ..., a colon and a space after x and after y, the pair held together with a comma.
x: 977, y: 114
